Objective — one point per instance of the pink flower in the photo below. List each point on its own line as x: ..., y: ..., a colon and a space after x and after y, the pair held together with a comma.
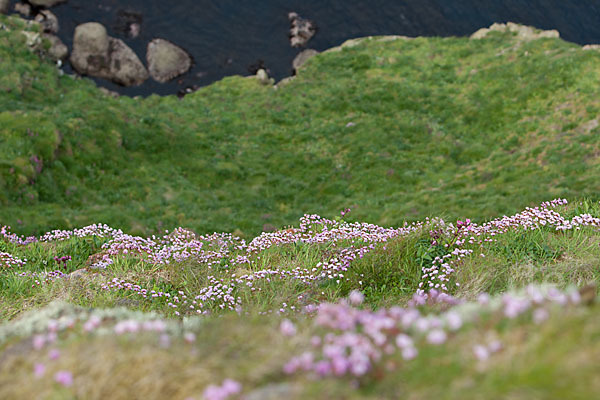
x: 287, y: 328
x: 540, y: 315
x: 39, y: 370
x: 403, y: 341
x: 481, y: 352
x: 54, y: 354
x: 436, y: 336
x: 38, y: 342
x: 64, y: 378
x: 356, y: 298
x: 408, y: 353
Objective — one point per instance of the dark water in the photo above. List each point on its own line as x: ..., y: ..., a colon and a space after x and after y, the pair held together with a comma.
x: 225, y: 37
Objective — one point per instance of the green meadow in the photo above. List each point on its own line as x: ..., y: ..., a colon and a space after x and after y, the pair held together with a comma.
x: 418, y: 134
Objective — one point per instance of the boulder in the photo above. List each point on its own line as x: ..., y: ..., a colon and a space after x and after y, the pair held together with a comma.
x: 125, y: 67
x: 47, y: 21
x: 523, y: 32
x: 46, y: 3
x: 96, y: 54
x: 302, y: 57
x: 166, y: 60
x: 4, y: 6
x: 263, y: 78
x: 23, y: 8
x: 301, y: 30
x: 591, y: 47
x: 58, y: 50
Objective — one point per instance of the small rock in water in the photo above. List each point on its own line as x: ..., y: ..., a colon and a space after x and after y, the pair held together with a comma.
x: 166, y: 60
x: 4, y: 6
x: 23, y: 9
x: 48, y: 21
x: 97, y: 54
x: 46, y: 3
x: 301, y: 30
x: 303, y: 57
x: 58, y: 50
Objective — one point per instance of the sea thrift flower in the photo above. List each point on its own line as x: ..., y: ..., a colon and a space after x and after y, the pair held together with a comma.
x: 64, y: 378
x: 454, y: 321
x: 437, y: 336
x: 54, y: 354
x: 287, y: 328
x: 409, y: 353
x: 228, y: 388
x: 540, y: 315
x: 39, y: 370
x: 356, y: 298
x: 481, y: 352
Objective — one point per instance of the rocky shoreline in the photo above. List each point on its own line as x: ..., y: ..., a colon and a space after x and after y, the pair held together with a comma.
x: 98, y: 55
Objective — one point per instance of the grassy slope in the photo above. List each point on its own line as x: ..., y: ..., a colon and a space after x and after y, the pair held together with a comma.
x: 553, y: 359
x: 442, y: 125
x: 448, y: 126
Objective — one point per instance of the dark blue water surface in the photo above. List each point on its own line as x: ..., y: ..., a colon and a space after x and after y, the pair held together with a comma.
x: 226, y: 37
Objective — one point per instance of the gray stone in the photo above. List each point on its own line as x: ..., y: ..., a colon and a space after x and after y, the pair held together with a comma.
x: 4, y: 6
x: 46, y: 3
x: 523, y: 32
x: 58, y: 50
x: 166, y: 60
x: 591, y: 47
x: 125, y: 67
x: 301, y: 30
x: 23, y: 9
x: 47, y: 21
x: 303, y: 57
x: 96, y: 54
x: 263, y: 77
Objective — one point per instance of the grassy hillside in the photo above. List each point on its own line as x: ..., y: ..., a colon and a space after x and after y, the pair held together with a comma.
x: 325, y: 309
x: 395, y: 129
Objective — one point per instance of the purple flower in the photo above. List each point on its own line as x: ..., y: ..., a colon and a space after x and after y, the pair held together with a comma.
x: 436, y: 337
x: 39, y: 370
x: 287, y: 328
x: 356, y: 298
x: 408, y: 353
x: 64, y: 378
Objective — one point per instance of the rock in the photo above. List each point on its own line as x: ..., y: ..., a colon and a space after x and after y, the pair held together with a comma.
x: 48, y: 21
x: 96, y: 54
x: 46, y: 3
x: 109, y: 93
x: 301, y: 30
x: 33, y: 39
x: 23, y: 9
x: 80, y: 273
x: 4, y: 6
x: 166, y: 60
x: 125, y: 67
x: 263, y: 77
x: 58, y: 50
x: 591, y: 47
x: 302, y: 57
x: 285, y: 81
x: 523, y: 32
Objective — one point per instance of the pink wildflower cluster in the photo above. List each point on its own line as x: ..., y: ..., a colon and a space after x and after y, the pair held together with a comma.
x: 355, y: 342
x: 228, y: 388
x: 439, y: 274
x: 8, y: 261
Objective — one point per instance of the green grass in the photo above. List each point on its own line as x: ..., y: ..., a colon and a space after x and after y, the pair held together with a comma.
x: 447, y: 127
x: 451, y: 127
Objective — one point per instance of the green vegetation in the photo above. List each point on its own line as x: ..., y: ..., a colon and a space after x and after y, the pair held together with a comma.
x: 451, y: 127
x: 397, y: 130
